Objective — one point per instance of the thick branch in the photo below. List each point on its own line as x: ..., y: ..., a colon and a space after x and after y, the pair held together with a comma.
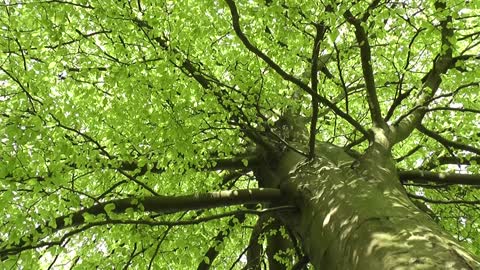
x: 213, y: 251
x: 366, y: 59
x: 314, y: 83
x: 172, y: 204
x: 453, y: 109
x: 65, y: 237
x: 157, y: 204
x: 255, y: 248
x: 458, y: 160
x: 402, y: 129
x: 428, y: 200
x: 447, y: 143
x: 441, y: 178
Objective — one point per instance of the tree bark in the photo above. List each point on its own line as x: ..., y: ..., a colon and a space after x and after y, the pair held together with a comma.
x: 355, y: 214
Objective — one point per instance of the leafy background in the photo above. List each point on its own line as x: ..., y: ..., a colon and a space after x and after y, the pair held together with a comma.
x: 96, y: 103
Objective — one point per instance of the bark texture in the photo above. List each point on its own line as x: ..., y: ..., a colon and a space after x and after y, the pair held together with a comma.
x: 354, y: 214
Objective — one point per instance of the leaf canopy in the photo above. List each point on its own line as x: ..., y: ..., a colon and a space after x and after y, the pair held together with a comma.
x: 104, y: 100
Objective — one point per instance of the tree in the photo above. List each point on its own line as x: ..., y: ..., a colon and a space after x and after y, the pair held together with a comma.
x: 240, y: 134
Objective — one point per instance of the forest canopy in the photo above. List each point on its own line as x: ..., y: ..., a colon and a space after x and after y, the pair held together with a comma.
x: 153, y: 134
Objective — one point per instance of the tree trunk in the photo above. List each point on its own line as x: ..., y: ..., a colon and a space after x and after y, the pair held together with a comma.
x: 355, y: 214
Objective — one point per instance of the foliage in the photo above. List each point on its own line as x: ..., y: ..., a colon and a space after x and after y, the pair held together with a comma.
x: 104, y: 100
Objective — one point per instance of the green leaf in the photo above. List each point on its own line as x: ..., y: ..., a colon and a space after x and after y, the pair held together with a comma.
x: 52, y: 65
x: 109, y: 207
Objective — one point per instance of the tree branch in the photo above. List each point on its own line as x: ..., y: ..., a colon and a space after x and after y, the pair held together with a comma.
x: 444, y: 61
x: 285, y: 75
x: 366, y: 59
x: 30, y: 98
x: 428, y: 200
x: 213, y: 251
x: 401, y: 96
x: 441, y: 178
x: 458, y: 160
x: 447, y: 143
x: 259, y: 53
x: 86, y: 226
x: 158, y: 204
x: 453, y: 109
x: 234, y: 163
x: 409, y: 153
x: 320, y: 29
